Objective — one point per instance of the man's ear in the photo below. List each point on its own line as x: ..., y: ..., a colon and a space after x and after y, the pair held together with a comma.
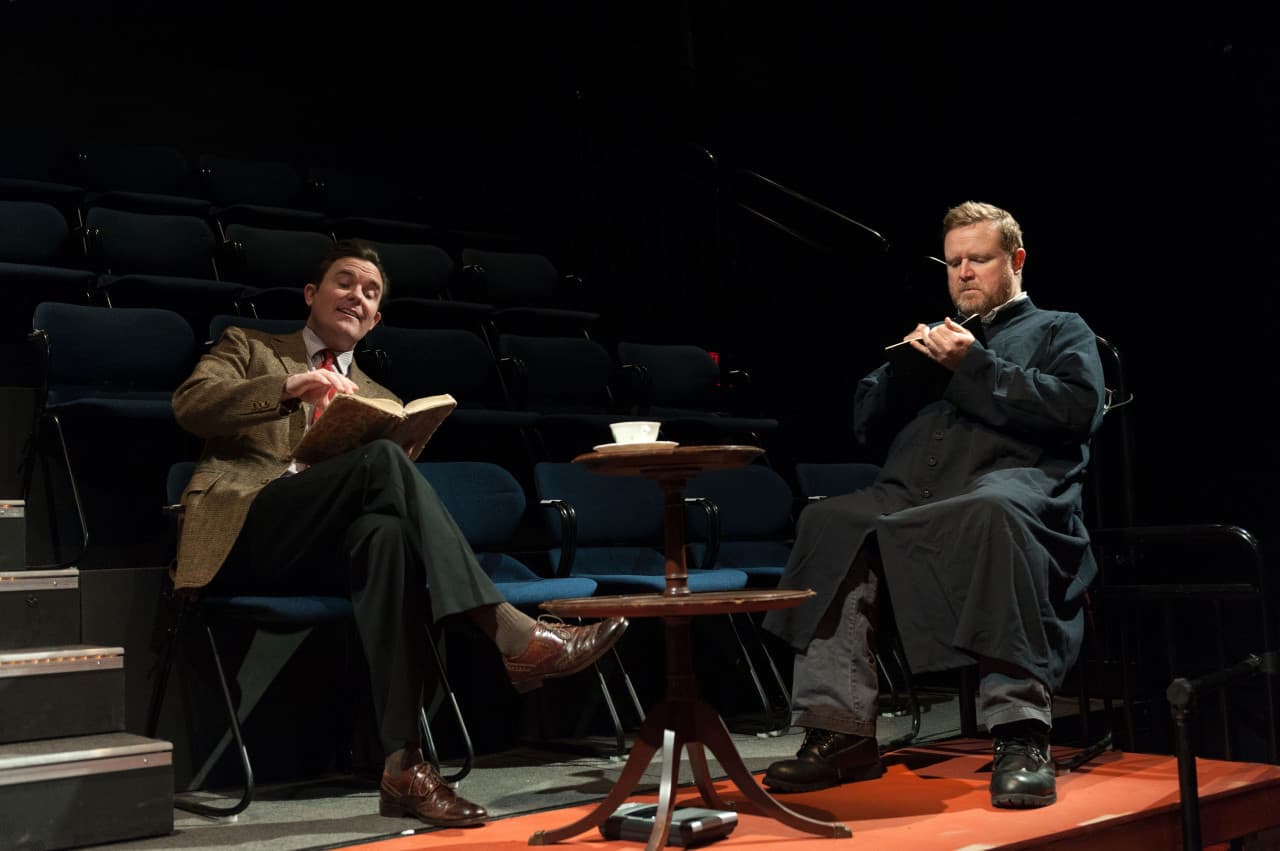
x: 377, y: 317
x: 309, y: 293
x: 1019, y: 257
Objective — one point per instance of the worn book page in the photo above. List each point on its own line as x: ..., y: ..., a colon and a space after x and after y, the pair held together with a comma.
x: 423, y: 417
x: 351, y: 421
x: 348, y: 422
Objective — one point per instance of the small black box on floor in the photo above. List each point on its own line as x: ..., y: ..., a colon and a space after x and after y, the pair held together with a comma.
x: 13, y: 535
x: 55, y: 692
x: 67, y: 793
x: 689, y: 825
x: 39, y: 608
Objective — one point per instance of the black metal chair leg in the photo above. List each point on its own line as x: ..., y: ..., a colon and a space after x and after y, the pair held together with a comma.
x: 246, y: 796
x: 469, y: 759
x: 619, y: 736
x: 913, y: 700
x: 765, y: 706
x: 166, y: 666
x: 631, y: 689
x: 781, y: 725
x: 428, y: 741
x: 968, y: 694
x: 157, y: 703
x: 777, y: 675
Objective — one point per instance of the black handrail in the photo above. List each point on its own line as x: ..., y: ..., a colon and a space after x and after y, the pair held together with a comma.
x: 717, y: 174
x: 777, y: 225
x: 816, y: 205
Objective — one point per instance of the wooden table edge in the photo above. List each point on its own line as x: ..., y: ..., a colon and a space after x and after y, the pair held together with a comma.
x: 662, y: 605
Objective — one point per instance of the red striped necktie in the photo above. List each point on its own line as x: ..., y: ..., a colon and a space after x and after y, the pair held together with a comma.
x: 327, y: 363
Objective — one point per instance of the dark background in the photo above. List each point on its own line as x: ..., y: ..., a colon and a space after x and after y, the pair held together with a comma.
x: 1134, y: 144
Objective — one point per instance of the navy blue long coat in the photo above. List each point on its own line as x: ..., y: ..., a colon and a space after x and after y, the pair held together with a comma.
x: 977, y: 510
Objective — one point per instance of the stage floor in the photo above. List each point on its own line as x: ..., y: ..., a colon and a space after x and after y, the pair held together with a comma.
x: 935, y: 797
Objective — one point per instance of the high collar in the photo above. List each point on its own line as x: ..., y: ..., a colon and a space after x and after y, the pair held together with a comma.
x: 1011, y: 307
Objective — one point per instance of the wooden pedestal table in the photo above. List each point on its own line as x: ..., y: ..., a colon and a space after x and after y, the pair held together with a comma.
x: 682, y: 721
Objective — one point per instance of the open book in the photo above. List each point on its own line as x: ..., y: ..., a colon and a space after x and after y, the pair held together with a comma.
x: 352, y: 421
x: 927, y: 377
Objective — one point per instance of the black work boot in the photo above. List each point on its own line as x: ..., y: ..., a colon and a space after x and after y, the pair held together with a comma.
x: 1022, y: 771
x: 826, y: 758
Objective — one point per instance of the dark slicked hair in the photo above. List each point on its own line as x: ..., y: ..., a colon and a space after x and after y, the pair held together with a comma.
x: 360, y: 250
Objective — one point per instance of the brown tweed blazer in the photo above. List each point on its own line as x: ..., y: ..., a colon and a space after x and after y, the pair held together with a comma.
x: 232, y: 399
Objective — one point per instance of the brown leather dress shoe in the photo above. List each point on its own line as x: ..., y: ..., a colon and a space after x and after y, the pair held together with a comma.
x: 557, y: 650
x: 420, y: 791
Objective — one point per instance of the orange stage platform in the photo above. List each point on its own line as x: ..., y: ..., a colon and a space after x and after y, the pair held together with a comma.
x: 935, y: 797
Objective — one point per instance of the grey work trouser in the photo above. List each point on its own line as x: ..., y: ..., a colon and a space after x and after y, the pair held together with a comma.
x: 835, y: 685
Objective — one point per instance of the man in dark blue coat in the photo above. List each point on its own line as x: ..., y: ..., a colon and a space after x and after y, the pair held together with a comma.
x: 974, y: 524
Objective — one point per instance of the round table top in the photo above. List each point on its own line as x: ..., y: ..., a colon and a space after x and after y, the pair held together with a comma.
x: 679, y: 605
x: 660, y: 461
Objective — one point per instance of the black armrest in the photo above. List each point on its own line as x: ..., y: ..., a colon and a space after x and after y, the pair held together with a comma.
x: 713, y: 529
x: 316, y: 191
x: 568, y: 535
x: 514, y: 373
x: 379, y: 356
x: 1170, y: 548
x: 94, y: 255
x: 575, y: 288
x: 471, y: 281
x: 39, y: 339
x: 636, y: 385
x: 273, y: 303
x: 229, y: 258
x: 739, y: 392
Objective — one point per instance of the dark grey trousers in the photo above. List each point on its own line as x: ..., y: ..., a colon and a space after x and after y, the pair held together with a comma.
x: 368, y: 526
x: 835, y: 684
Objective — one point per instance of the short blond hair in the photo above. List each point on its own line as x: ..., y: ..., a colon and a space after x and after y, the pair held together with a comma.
x: 973, y: 212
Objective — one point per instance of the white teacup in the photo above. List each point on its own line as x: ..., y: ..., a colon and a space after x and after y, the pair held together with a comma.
x: 636, y: 431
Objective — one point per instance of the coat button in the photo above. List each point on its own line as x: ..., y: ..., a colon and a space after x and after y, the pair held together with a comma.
x: 937, y: 435
x: 926, y: 493
x: 932, y: 462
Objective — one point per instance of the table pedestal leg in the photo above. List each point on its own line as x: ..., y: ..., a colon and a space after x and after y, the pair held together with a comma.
x: 710, y: 730
x: 649, y: 738
x: 674, y: 725
x: 702, y: 776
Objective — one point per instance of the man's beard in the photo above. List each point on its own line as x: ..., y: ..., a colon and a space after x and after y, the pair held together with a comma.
x: 987, y: 304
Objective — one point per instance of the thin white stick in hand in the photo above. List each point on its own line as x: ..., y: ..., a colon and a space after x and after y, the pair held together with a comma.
x: 915, y: 339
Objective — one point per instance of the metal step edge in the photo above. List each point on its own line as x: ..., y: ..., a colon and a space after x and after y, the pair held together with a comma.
x: 48, y: 759
x: 101, y: 765
x: 40, y: 580
x: 63, y: 659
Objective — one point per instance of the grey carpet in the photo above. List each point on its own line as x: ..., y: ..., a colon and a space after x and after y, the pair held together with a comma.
x: 336, y: 810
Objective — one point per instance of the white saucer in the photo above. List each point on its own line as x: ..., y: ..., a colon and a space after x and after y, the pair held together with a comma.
x: 644, y: 446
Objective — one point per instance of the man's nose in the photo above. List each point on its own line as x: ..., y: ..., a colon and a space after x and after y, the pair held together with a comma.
x: 966, y: 269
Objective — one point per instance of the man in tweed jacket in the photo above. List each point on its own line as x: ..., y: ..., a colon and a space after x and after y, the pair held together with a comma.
x: 364, y: 524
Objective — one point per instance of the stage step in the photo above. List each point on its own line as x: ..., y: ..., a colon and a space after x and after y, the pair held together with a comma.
x: 39, y: 608
x: 69, y: 775
x: 56, y: 692
x: 71, y: 792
